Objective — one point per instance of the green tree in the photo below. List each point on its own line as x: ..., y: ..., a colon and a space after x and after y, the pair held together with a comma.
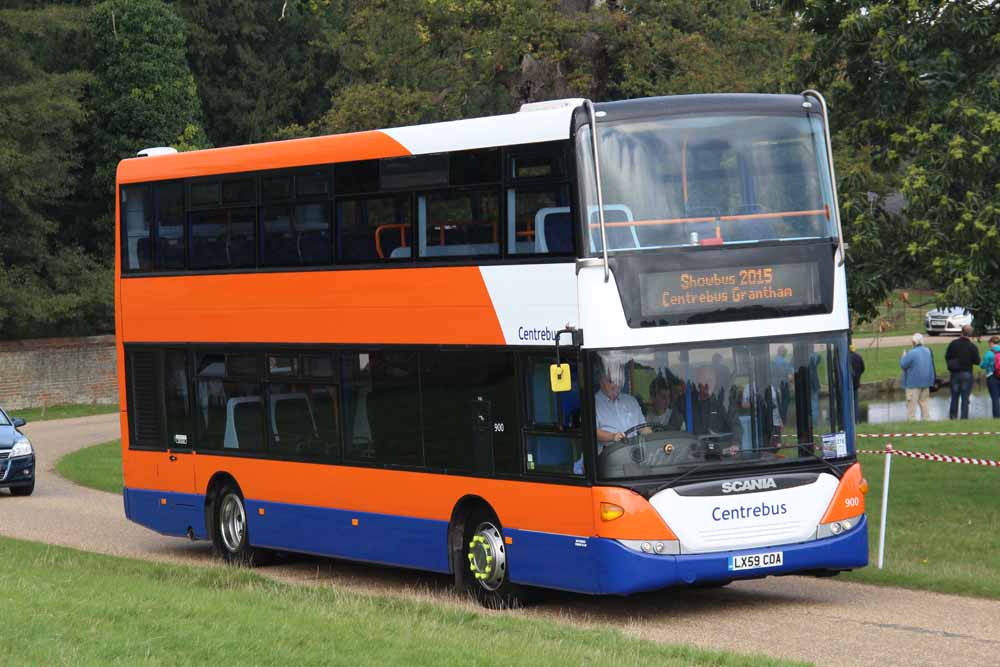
x: 681, y: 46
x: 426, y: 60
x: 143, y: 92
x: 48, y: 286
x: 914, y: 90
x: 256, y: 65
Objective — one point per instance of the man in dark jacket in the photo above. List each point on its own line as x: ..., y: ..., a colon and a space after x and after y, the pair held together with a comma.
x: 857, y: 368
x: 961, y: 355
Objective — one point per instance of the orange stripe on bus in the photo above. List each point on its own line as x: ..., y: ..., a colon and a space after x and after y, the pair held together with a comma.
x: 446, y: 305
x: 255, y: 157
x: 553, y: 508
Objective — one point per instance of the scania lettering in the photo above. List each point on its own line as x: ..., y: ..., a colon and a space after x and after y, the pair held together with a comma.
x: 402, y: 346
x: 739, y: 485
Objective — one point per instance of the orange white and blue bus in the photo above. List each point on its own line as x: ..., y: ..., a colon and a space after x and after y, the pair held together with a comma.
x: 402, y: 347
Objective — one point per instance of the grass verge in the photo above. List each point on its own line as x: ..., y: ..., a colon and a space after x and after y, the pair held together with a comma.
x: 62, y: 412
x: 98, y: 467
x: 72, y: 607
x: 943, y: 528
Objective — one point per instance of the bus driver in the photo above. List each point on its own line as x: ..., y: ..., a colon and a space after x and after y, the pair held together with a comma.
x: 616, y: 412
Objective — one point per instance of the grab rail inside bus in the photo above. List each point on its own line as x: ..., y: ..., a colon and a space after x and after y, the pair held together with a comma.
x: 600, y: 194
x: 720, y: 218
x: 378, y: 237
x: 833, y: 176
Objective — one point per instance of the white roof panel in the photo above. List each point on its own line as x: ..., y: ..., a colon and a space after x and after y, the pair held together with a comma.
x: 531, y: 125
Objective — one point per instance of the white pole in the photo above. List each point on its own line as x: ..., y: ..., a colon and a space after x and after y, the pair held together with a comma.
x: 885, y: 504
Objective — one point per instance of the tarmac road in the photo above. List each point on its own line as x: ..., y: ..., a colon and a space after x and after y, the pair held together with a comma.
x: 826, y: 621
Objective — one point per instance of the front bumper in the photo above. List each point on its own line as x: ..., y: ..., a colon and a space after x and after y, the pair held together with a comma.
x: 938, y: 327
x: 624, y: 571
x: 18, y: 471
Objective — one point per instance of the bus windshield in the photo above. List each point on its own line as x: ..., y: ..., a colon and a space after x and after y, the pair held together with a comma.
x: 707, y: 180
x: 664, y: 410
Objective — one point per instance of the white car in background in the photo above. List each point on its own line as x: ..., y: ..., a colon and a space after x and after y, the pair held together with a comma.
x: 949, y: 321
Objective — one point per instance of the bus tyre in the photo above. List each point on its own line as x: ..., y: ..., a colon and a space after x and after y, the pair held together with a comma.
x: 230, y: 537
x: 25, y: 490
x: 484, y: 556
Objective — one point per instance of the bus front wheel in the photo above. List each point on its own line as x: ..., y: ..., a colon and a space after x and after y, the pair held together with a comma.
x: 230, y: 537
x: 484, y: 555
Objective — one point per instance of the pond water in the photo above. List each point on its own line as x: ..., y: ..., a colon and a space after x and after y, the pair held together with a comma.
x: 892, y: 408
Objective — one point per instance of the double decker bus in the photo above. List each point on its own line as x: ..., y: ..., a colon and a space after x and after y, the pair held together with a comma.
x: 592, y: 347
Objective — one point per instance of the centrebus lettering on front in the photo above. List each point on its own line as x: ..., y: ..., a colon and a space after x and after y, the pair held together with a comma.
x: 349, y: 346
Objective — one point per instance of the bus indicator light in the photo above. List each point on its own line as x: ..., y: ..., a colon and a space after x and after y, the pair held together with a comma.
x: 610, y: 511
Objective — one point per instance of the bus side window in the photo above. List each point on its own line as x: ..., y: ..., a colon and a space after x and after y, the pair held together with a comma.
x: 539, y: 221
x: 229, y: 408
x: 374, y: 229
x: 553, y: 443
x: 137, y: 220
x: 176, y: 398
x: 381, y: 393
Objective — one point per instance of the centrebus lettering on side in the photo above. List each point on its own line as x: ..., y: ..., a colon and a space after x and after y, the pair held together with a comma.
x: 592, y: 347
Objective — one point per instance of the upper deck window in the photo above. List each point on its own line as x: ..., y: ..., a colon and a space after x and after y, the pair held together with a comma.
x: 137, y: 218
x: 707, y: 180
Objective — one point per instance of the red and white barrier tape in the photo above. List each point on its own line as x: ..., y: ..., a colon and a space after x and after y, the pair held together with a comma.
x: 925, y: 456
x: 922, y: 435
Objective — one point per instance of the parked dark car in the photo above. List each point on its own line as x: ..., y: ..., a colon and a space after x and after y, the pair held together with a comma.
x: 17, y: 457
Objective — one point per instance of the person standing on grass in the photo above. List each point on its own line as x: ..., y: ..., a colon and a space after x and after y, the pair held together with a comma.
x: 961, y: 355
x: 857, y: 368
x: 991, y: 364
x: 918, y: 376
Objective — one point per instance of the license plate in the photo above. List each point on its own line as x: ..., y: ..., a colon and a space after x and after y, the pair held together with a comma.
x: 755, y: 561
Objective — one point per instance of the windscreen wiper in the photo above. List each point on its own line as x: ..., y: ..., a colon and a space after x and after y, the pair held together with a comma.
x: 687, y: 473
x: 811, y: 453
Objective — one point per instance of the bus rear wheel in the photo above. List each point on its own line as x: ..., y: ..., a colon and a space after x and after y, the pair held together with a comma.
x: 230, y: 537
x: 484, y: 554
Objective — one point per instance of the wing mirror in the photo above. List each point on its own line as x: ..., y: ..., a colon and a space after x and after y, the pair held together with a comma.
x: 560, y: 376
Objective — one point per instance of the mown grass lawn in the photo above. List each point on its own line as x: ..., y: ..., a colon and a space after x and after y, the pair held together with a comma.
x: 944, y: 518
x: 61, y: 412
x: 74, y: 608
x: 97, y: 466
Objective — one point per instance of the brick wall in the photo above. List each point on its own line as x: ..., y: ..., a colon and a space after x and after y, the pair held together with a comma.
x: 58, y: 371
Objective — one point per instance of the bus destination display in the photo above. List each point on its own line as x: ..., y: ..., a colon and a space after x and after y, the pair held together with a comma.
x: 775, y: 285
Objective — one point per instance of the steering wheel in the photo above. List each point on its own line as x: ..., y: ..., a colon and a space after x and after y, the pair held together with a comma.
x: 632, y: 432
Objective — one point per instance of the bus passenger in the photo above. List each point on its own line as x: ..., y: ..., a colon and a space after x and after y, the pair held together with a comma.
x: 708, y: 409
x: 615, y: 412
x: 667, y: 408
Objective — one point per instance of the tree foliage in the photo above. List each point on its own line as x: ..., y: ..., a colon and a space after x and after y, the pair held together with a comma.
x: 257, y: 67
x: 47, y: 286
x: 914, y: 90
x: 143, y: 90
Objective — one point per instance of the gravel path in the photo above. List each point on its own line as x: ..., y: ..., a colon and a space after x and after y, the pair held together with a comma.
x: 825, y: 621
x: 900, y: 341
